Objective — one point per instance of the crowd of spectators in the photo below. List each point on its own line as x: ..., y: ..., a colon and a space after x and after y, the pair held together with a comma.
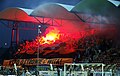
x: 93, y: 48
x: 20, y: 71
x: 98, y: 49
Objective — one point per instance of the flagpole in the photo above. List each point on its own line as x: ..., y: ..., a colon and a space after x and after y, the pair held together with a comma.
x: 38, y: 50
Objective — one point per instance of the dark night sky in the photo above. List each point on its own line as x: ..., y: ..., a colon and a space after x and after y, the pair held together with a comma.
x: 5, y: 33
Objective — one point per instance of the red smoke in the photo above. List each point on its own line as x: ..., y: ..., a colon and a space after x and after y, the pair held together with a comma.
x: 69, y: 34
x: 52, y: 39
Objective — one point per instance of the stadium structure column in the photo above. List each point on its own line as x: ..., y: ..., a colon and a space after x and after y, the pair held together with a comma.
x: 15, y: 39
x: 39, y: 32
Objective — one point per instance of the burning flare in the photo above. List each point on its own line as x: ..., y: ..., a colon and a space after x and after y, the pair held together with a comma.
x: 50, y: 37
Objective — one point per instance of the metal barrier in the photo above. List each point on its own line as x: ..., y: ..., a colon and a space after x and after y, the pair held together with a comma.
x: 100, y: 73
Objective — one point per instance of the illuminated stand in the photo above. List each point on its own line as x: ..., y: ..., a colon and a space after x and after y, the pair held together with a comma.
x: 84, y: 69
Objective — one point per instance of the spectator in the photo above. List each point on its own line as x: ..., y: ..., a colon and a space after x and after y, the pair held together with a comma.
x: 27, y: 73
x: 58, y: 71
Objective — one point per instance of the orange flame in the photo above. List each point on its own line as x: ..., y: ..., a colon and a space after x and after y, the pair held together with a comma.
x: 50, y: 37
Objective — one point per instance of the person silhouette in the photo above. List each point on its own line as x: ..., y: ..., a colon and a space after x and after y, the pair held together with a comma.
x: 58, y: 71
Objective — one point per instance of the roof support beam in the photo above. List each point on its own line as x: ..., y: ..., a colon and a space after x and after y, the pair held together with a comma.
x: 80, y: 18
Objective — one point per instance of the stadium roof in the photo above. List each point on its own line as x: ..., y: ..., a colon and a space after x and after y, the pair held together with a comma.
x: 51, y: 10
x: 97, y: 7
x: 17, y: 14
x: 54, y: 10
x: 104, y: 8
x: 115, y: 2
